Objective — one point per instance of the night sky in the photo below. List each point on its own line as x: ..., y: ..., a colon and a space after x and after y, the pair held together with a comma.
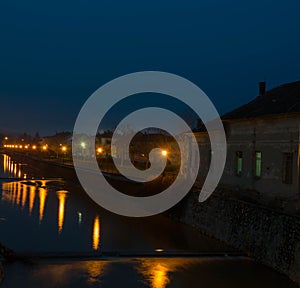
x: 54, y: 54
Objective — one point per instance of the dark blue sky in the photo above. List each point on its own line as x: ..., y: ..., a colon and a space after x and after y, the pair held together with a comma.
x: 54, y: 54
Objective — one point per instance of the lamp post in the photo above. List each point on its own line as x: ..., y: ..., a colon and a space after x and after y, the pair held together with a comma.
x: 64, y: 150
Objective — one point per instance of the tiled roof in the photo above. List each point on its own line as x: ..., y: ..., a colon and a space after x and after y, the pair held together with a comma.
x: 280, y: 100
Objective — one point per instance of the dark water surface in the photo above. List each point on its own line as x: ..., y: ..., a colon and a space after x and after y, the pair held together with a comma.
x: 43, y: 210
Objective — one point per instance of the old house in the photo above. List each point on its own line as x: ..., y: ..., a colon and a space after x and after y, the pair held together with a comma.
x: 262, y: 147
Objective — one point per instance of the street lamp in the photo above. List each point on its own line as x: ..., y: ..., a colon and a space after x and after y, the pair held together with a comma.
x: 64, y: 150
x: 164, y: 153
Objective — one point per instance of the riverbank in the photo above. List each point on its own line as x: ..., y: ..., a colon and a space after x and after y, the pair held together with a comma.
x: 117, y: 180
x: 269, y: 237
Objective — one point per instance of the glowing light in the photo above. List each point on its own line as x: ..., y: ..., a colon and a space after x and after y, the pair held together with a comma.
x: 164, y: 153
x: 62, y: 195
x: 15, y: 169
x: 19, y: 193
x: 45, y: 147
x: 7, y: 193
x: 94, y: 269
x: 43, y: 183
x: 42, y: 196
x: 99, y: 150
x: 159, y: 250
x: 31, y: 198
x: 24, y: 196
x: 83, y: 145
x: 26, y: 146
x: 96, y: 233
x: 156, y: 272
x: 14, y: 197
x: 6, y: 138
x: 79, y: 218
x: 11, y: 167
x: 64, y: 148
x: 34, y: 147
x: 21, y: 146
x: 5, y: 162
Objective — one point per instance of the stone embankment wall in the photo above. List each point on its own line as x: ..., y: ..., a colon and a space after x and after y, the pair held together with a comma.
x: 270, y: 237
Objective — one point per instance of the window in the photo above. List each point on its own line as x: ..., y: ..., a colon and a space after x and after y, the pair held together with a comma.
x: 239, y: 163
x: 287, y: 175
x: 257, y: 164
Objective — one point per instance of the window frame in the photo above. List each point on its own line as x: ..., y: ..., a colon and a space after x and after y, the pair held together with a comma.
x: 239, y: 163
x: 257, y: 163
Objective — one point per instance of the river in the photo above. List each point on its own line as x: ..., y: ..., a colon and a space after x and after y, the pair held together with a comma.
x: 44, y: 212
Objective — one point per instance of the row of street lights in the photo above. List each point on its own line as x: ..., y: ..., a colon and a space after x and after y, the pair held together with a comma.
x: 33, y: 147
x: 63, y: 148
x: 16, y: 146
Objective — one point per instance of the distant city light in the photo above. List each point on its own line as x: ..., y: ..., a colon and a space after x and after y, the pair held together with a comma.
x: 45, y: 147
x: 64, y: 148
x: 34, y: 147
x: 164, y: 153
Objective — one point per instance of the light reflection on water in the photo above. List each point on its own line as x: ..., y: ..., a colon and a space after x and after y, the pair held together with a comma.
x: 142, y: 273
x: 62, y: 196
x: 18, y: 194
x: 45, y: 219
x: 95, y: 270
x: 32, y: 197
x: 43, y: 197
x: 11, y: 169
x: 96, y: 233
x: 54, y: 221
x: 157, y: 271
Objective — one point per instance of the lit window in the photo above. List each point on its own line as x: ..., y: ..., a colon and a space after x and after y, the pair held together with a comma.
x: 257, y: 164
x: 239, y: 163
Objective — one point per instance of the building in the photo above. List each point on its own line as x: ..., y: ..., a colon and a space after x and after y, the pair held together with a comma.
x: 262, y: 148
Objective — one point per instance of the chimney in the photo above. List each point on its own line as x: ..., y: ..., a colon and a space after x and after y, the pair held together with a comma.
x: 262, y: 88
